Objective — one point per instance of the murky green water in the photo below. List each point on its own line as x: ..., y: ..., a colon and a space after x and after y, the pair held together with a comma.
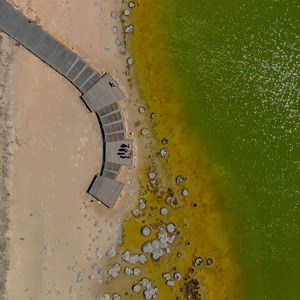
x: 239, y: 64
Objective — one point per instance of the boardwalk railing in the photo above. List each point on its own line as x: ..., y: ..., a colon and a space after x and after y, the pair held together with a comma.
x: 100, y: 93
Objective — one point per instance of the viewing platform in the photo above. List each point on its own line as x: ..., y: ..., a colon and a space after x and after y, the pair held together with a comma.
x: 100, y: 93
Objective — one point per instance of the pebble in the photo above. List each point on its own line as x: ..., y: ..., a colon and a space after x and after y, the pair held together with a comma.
x: 129, y: 29
x: 128, y: 271
x: 114, y: 14
x: 185, y: 192
x: 171, y: 227
x: 136, y: 271
x: 153, y: 116
x: 164, y: 211
x: 135, y: 212
x: 132, y: 4
x: 198, y: 261
x: 126, y: 12
x: 116, y: 297
x: 209, y: 261
x: 170, y: 283
x: 144, y: 131
x: 119, y: 42
x: 91, y: 277
x: 168, y: 250
x: 114, y: 29
x: 142, y: 204
x: 164, y: 141
x: 130, y: 61
x: 180, y: 179
x: 111, y: 252
x: 167, y: 276
x: 136, y: 288
x: 177, y: 276
x: 146, y: 231
x: 164, y: 152
x: 151, y: 175
x: 142, y: 109
x: 106, y: 297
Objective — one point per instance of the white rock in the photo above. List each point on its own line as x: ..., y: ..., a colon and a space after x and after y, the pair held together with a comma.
x: 155, y: 255
x: 151, y: 175
x: 136, y: 288
x: 132, y: 4
x: 164, y: 152
x: 145, y: 282
x: 147, y: 248
x: 114, y: 14
x: 155, y: 244
x: 142, y: 109
x: 168, y: 250
x: 111, y: 252
x: 164, y: 211
x: 144, y: 131
x: 135, y: 212
x: 136, y: 271
x: 143, y: 259
x: 128, y: 271
x: 126, y: 12
x: 116, y: 297
x: 126, y: 255
x: 171, y: 227
x: 185, y: 192
x: 106, y: 297
x: 134, y: 259
x: 167, y: 276
x: 170, y: 283
x: 177, y: 276
x: 146, y: 231
x: 130, y: 61
x: 142, y: 204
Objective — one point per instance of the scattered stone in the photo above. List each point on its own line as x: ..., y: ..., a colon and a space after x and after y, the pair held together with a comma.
x: 129, y: 29
x: 209, y: 261
x: 114, y: 14
x: 135, y: 212
x: 143, y: 259
x: 180, y: 179
x: 126, y: 12
x: 79, y: 277
x: 177, y: 276
x: 136, y: 271
x: 151, y: 175
x: 153, y: 116
x: 91, y: 277
x: 179, y: 254
x: 132, y: 4
x: 136, y: 288
x: 185, y: 192
x: 164, y: 211
x: 164, y: 152
x: 168, y: 250
x: 167, y: 276
x: 164, y: 141
x: 142, y: 109
x: 130, y: 61
x: 94, y: 266
x: 114, y: 29
x: 106, y: 297
x: 144, y: 131
x: 198, y: 261
x: 146, y: 231
x: 111, y: 252
x: 171, y: 227
x: 119, y: 42
x: 116, y: 296
x: 142, y: 204
x: 170, y: 283
x: 128, y: 271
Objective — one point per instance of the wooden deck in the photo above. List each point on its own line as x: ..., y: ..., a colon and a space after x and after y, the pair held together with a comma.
x: 101, y: 94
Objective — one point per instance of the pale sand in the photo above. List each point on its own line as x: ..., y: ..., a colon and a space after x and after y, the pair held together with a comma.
x: 56, y: 232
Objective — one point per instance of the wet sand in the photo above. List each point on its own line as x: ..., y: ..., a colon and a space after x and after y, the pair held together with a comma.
x: 58, y: 234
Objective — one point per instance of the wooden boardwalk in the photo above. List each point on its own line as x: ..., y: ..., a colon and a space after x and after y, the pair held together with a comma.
x: 100, y: 92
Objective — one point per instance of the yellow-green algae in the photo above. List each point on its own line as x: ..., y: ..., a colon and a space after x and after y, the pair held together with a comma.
x: 202, y: 228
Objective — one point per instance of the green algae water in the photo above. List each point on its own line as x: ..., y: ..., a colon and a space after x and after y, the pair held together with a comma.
x: 237, y: 65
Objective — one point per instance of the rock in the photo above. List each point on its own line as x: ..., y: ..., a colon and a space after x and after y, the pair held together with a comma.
x: 164, y: 152
x: 164, y: 141
x: 198, y: 261
x: 142, y: 109
x: 177, y: 276
x: 143, y: 259
x: 114, y: 29
x: 132, y: 4
x: 153, y: 116
x: 79, y: 277
x: 136, y: 271
x: 185, y: 192
x: 168, y: 250
x: 91, y: 277
x: 179, y: 254
x: 180, y: 179
x: 106, y: 297
x: 142, y: 204
x: 164, y: 211
x: 171, y: 227
x: 135, y: 212
x: 116, y: 297
x: 146, y: 231
x: 126, y: 12
x: 119, y: 42
x: 209, y: 261
x: 136, y: 288
x: 167, y: 276
x: 144, y: 132
x: 130, y: 61
x: 128, y: 271
x: 145, y: 282
x: 151, y: 175
x: 126, y: 255
x: 129, y: 29
x: 111, y: 252
x: 170, y: 283
x: 114, y: 14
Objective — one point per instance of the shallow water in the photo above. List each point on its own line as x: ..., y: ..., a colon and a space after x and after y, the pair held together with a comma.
x: 225, y: 79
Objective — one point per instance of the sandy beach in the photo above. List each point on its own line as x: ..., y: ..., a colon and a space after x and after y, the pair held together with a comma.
x: 58, y: 234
